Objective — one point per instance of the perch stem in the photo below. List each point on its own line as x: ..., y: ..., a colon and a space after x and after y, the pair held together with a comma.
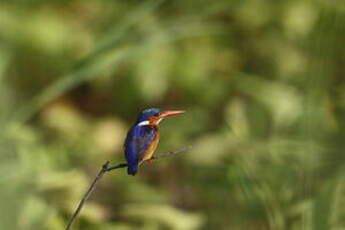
x: 105, y: 168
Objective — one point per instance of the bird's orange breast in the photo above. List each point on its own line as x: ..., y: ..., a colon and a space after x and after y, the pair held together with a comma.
x: 149, y: 152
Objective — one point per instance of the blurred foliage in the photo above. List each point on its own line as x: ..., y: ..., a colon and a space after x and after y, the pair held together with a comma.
x: 263, y: 84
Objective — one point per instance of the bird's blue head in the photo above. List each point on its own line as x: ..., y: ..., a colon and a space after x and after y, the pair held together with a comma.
x: 144, y: 115
x: 154, y: 116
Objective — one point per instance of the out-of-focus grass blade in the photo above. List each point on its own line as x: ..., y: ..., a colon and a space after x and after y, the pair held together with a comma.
x: 117, y: 32
x: 110, y: 60
x: 327, y: 209
x: 81, y: 71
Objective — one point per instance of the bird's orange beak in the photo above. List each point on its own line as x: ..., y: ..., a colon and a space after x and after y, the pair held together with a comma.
x: 170, y: 113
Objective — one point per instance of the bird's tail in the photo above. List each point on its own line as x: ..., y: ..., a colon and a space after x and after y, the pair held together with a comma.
x: 132, y: 169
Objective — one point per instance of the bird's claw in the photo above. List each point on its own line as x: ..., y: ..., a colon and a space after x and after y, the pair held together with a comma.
x: 150, y: 160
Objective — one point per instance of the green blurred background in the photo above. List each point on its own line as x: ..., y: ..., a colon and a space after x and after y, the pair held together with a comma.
x: 262, y: 82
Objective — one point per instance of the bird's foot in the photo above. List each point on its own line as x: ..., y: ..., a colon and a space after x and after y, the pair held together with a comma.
x: 150, y: 160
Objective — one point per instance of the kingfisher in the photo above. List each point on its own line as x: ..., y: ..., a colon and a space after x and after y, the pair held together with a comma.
x: 142, y: 139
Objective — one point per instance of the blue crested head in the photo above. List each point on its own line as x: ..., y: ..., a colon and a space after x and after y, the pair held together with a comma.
x: 144, y: 115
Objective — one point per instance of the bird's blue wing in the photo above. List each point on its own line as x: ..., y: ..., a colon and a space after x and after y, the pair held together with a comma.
x: 138, y: 141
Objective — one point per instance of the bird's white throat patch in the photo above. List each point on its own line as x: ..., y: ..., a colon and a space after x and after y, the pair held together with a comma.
x: 143, y: 123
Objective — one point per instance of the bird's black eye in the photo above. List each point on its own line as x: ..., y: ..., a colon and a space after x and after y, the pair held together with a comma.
x: 157, y: 114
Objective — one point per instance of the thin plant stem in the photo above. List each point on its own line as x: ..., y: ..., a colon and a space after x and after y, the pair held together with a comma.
x: 105, y: 168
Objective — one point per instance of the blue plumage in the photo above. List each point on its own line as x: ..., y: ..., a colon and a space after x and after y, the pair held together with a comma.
x: 144, y: 115
x: 138, y: 141
x: 142, y: 139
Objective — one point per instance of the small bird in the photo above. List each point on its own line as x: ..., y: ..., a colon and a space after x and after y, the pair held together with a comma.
x: 142, y: 139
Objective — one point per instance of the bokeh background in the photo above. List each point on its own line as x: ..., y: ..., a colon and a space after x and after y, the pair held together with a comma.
x: 262, y: 83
